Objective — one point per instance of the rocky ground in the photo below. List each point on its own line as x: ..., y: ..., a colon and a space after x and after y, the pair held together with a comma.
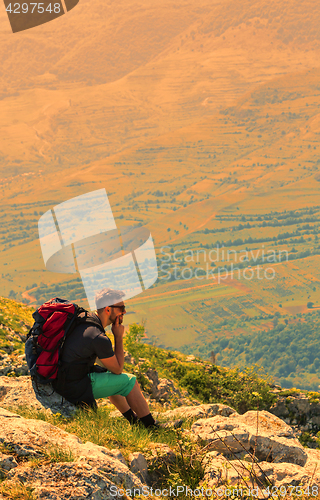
x: 257, y: 449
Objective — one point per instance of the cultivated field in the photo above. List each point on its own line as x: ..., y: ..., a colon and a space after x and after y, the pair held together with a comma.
x: 202, y: 122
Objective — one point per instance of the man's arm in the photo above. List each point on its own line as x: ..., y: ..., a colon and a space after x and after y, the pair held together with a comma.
x: 116, y: 362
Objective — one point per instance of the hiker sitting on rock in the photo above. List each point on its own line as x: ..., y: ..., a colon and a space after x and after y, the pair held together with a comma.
x: 80, y: 381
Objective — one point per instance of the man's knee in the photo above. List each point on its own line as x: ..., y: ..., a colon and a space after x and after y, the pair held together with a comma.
x: 136, y: 387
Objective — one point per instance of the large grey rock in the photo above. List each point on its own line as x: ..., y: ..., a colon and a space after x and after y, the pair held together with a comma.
x: 312, y: 466
x: 21, y: 391
x: 159, y: 454
x: 13, y: 365
x: 153, y: 376
x: 66, y: 481
x: 218, y: 470
x: 166, y: 391
x: 129, y: 359
x: 162, y: 389
x: 270, y: 437
x: 299, y: 410
x: 95, y: 468
x: 199, y: 411
x: 139, y: 466
x: 7, y: 462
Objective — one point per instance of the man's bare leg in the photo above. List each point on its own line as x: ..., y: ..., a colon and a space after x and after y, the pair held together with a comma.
x: 119, y: 402
x: 137, y: 402
x: 134, y: 403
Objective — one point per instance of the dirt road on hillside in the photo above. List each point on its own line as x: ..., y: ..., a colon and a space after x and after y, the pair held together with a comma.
x: 26, y: 295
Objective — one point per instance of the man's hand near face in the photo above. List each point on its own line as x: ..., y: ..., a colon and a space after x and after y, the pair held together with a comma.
x: 115, y: 363
x: 117, y: 328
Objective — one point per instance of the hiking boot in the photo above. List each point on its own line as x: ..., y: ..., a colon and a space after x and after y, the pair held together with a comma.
x: 166, y: 425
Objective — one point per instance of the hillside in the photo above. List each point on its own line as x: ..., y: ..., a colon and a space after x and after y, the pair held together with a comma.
x: 204, y: 380
x: 16, y: 320
x: 201, y: 121
x: 61, y: 108
x: 221, y: 441
x: 196, y: 215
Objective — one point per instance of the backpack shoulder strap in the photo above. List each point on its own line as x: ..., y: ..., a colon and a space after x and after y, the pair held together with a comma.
x: 85, y: 318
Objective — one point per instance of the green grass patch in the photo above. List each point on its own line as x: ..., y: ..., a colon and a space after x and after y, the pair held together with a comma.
x: 17, y: 491
x: 243, y: 390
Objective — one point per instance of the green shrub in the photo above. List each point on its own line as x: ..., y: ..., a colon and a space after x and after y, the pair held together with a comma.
x: 246, y: 390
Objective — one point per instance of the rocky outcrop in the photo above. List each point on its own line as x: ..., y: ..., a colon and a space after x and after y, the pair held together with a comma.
x: 256, y: 447
x: 13, y: 365
x: 158, y: 456
x: 271, y: 438
x: 65, y: 481
x: 299, y: 410
x: 89, y: 472
x: 246, y: 472
x: 139, y: 466
x: 21, y: 391
x: 199, y: 411
x: 164, y: 390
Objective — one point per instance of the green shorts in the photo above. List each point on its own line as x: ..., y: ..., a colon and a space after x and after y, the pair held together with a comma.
x: 109, y: 384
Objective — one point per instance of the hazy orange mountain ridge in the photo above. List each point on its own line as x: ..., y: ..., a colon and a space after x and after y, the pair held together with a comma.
x: 87, y: 89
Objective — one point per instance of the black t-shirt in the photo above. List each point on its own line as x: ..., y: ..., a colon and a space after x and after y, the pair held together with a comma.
x: 81, y: 348
x: 86, y: 343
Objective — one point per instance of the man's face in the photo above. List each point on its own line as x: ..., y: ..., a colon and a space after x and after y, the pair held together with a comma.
x: 117, y: 312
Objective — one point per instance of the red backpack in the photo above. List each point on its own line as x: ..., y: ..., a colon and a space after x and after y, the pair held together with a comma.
x: 54, y: 320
